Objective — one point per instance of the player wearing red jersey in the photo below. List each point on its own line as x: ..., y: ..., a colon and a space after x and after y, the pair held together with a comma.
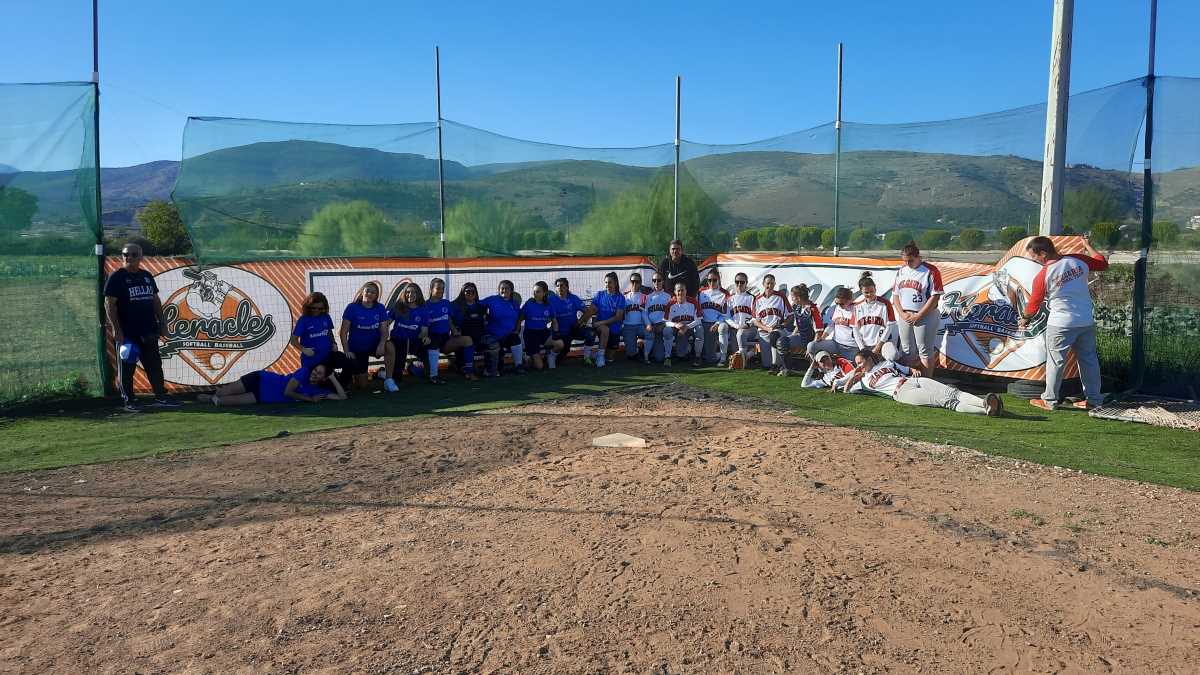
x: 838, y: 337
x: 771, y: 312
x: 683, y: 320
x: 874, y: 320
x: 880, y: 376
x: 714, y: 301
x: 915, y: 296
x: 739, y: 317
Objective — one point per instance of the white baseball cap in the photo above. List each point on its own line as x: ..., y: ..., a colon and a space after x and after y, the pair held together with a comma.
x: 821, y: 356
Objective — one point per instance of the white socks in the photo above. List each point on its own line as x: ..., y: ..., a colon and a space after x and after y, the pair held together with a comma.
x: 518, y: 354
x: 552, y: 359
x: 433, y: 357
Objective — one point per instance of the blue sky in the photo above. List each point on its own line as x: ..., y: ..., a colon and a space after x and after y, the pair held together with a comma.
x: 595, y: 74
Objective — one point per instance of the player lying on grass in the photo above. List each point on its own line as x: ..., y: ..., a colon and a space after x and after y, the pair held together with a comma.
x: 262, y: 386
x: 877, y: 375
x: 827, y: 372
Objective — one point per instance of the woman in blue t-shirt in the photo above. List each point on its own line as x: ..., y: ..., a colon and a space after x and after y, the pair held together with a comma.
x: 262, y: 386
x: 313, y: 333
x: 409, y: 335
x: 503, y: 326
x: 470, y: 316
x: 364, y: 332
x: 540, y: 326
x: 444, y: 335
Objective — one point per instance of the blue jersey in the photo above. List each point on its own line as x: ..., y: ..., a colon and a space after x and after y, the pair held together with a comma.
x: 502, y: 315
x: 607, y: 305
x: 316, y: 333
x: 566, y: 310
x: 437, y: 313
x: 407, y: 325
x: 272, y: 385
x: 537, y: 315
x: 364, y: 325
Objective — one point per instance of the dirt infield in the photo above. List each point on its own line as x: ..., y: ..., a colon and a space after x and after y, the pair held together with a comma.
x: 739, y: 540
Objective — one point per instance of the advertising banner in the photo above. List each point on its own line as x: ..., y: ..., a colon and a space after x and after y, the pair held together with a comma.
x: 223, y: 322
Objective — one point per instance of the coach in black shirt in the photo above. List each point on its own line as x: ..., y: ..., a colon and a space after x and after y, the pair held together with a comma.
x: 134, y: 314
x: 676, y: 267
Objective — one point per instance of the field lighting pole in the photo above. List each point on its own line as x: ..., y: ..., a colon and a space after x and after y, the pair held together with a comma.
x: 437, y: 75
x: 1138, y: 344
x: 1055, y: 156
x: 101, y: 334
x: 675, y: 221
x: 837, y: 155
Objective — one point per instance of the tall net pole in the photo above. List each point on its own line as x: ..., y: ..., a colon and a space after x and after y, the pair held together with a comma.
x: 837, y: 155
x: 437, y: 73
x: 675, y: 220
x: 1138, y: 344
x: 101, y: 331
x: 1055, y: 155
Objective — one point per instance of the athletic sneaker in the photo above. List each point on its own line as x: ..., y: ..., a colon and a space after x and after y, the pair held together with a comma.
x: 131, y: 408
x: 696, y: 363
x: 995, y: 407
x: 436, y: 380
x: 1082, y: 405
x: 521, y: 370
x: 646, y: 360
x: 391, y: 385
x: 165, y: 403
x: 1041, y: 403
x: 783, y: 372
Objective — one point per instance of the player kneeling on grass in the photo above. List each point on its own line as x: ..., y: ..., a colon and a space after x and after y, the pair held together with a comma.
x: 263, y: 386
x: 409, y: 334
x: 540, y: 327
x: 878, y: 375
x: 444, y: 335
x: 364, y: 332
x: 609, y: 310
x: 827, y: 372
x: 683, y: 323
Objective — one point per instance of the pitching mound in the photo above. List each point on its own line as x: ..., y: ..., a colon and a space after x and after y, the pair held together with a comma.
x: 740, y: 539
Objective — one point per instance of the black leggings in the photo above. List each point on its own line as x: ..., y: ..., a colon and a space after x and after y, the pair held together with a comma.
x: 404, y: 347
x: 151, y: 363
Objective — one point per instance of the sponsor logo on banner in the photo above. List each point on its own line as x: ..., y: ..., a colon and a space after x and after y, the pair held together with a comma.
x: 219, y: 324
x: 980, y: 320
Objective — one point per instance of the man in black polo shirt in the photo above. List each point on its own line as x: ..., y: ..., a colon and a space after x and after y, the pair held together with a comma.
x: 678, y: 267
x: 134, y: 314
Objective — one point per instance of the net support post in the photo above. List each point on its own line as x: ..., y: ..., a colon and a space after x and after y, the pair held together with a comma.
x: 837, y: 156
x: 1140, y: 266
x: 106, y: 373
x: 1057, y: 96
x: 675, y: 212
x: 437, y: 77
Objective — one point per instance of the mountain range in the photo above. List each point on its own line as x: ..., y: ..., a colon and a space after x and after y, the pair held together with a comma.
x: 290, y: 179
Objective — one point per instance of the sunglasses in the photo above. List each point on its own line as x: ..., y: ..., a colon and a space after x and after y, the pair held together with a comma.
x: 658, y: 280
x: 740, y: 281
x: 126, y: 254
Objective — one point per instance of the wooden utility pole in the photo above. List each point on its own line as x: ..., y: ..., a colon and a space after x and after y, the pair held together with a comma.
x: 1054, y: 161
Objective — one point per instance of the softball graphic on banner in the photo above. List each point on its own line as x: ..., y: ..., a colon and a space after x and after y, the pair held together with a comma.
x: 219, y: 324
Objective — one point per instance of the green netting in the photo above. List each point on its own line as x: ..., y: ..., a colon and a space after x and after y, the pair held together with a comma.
x: 947, y: 184
x: 513, y: 197
x: 48, y: 231
x: 254, y: 189
x: 1172, y: 316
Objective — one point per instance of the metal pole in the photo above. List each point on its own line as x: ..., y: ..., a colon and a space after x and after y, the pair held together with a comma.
x: 102, y: 332
x: 1138, y: 344
x: 437, y: 68
x: 837, y: 155
x: 675, y: 225
x: 1055, y: 156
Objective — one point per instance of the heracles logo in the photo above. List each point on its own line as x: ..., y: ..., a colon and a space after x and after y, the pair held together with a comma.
x: 987, y: 320
x: 219, y: 324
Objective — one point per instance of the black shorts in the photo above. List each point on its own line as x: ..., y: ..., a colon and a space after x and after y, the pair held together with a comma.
x: 252, y: 383
x: 535, y: 340
x: 614, y: 338
x: 438, y: 340
x: 576, y: 332
x: 506, y: 341
x: 358, y: 364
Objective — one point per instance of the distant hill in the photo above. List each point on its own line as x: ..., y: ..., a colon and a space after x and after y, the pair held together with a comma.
x: 290, y: 179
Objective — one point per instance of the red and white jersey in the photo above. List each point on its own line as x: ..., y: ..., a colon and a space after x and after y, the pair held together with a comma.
x: 841, y: 325
x: 656, y: 306
x: 1063, y: 284
x: 838, y: 374
x: 739, y: 309
x: 772, y: 309
x: 873, y: 321
x: 885, y: 377
x: 809, y: 312
x: 686, y: 312
x: 713, y: 302
x: 635, y: 307
x: 913, y: 287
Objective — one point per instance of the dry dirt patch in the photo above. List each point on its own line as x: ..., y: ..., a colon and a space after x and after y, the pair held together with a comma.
x: 740, y: 539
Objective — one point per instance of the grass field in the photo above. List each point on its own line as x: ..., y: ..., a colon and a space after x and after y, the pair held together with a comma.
x: 89, y: 431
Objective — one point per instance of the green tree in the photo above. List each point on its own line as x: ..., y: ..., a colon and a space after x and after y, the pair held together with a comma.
x: 767, y: 239
x: 17, y: 208
x: 897, y: 239
x: 1010, y: 235
x: 970, y: 239
x: 827, y: 239
x: 359, y: 228
x: 161, y: 224
x: 748, y: 240
x: 1084, y: 208
x: 475, y: 227
x: 810, y: 237
x: 788, y: 238
x: 861, y: 240
x: 1106, y: 234
x: 935, y: 239
x: 639, y: 220
x: 1164, y: 232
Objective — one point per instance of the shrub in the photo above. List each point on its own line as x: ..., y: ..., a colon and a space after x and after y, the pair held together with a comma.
x: 861, y: 239
x: 1009, y: 236
x: 935, y: 239
x: 970, y: 239
x: 896, y: 239
x: 1106, y: 234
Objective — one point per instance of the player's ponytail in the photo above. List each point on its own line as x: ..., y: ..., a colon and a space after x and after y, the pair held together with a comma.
x: 801, y: 292
x: 843, y: 294
x: 865, y: 280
